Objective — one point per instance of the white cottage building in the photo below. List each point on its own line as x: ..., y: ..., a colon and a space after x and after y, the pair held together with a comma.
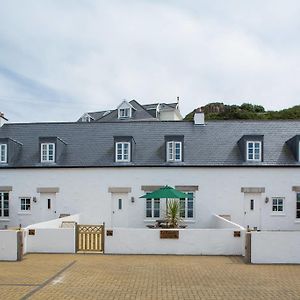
x: 99, y: 166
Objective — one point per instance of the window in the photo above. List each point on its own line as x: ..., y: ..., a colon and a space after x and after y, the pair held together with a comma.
x: 123, y: 151
x: 277, y: 205
x: 120, y: 203
x: 4, y: 204
x: 124, y: 113
x: 86, y: 118
x: 152, y: 208
x: 49, y: 203
x: 174, y: 151
x: 3, y: 153
x: 254, y: 151
x: 25, y: 204
x: 187, y: 207
x: 251, y: 204
x: 298, y: 206
x: 47, y: 152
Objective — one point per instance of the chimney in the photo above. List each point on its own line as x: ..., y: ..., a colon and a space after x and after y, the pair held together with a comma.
x: 199, y: 117
x: 2, y: 119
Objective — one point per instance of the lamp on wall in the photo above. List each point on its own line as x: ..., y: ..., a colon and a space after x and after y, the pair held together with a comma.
x: 267, y: 200
x: 34, y: 199
x: 132, y: 199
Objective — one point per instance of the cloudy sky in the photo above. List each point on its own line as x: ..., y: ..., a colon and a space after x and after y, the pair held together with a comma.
x: 61, y: 58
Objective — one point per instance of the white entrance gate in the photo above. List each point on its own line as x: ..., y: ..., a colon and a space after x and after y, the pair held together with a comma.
x: 252, y: 210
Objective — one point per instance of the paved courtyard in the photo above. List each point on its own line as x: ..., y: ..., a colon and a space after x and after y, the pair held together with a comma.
x: 54, y: 276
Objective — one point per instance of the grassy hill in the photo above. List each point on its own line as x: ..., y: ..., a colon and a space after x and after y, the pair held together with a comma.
x: 246, y: 111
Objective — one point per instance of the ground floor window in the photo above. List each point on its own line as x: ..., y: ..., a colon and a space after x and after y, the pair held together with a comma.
x: 298, y: 206
x: 153, y: 208
x: 187, y: 207
x: 277, y: 205
x: 4, y: 204
x: 25, y: 203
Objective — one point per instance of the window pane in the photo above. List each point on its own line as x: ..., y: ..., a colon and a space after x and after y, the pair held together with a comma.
x: 156, y: 208
x: 298, y: 214
x: 5, y: 196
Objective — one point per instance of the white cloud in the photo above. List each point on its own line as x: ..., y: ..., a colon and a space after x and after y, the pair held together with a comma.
x: 67, y: 57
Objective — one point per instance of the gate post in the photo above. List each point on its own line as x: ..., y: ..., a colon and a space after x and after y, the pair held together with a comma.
x: 103, y: 237
x: 76, y: 237
x: 20, y: 245
x: 248, y: 247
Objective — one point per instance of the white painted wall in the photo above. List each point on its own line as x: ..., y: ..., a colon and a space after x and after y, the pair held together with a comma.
x: 56, y: 223
x: 51, y: 240
x: 8, y: 245
x: 275, y: 247
x: 86, y: 191
x: 190, y: 242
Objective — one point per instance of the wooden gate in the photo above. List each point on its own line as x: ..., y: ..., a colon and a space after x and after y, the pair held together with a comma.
x: 90, y: 238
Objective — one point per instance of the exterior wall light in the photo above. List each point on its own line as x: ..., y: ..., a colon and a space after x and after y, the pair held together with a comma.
x: 34, y: 199
x: 267, y: 200
x: 132, y: 200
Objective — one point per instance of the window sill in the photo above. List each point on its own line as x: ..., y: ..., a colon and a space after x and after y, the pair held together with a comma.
x: 297, y: 221
x: 24, y: 213
x: 4, y: 220
x: 183, y: 220
x: 278, y: 215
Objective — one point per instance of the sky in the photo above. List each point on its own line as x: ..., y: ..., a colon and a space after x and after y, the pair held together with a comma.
x: 61, y: 58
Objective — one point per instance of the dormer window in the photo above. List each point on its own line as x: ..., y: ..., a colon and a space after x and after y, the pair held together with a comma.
x: 174, y: 151
x: 253, y: 150
x: 3, y: 153
x: 123, y: 152
x: 47, y: 152
x: 86, y: 118
x: 124, y: 113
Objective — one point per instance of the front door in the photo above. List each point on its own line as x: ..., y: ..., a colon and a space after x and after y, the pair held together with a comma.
x: 48, y: 206
x: 119, y: 209
x: 252, y: 202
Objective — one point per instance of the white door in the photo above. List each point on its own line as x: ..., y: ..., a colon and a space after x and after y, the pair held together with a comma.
x: 119, y: 210
x: 252, y: 210
x: 48, y: 206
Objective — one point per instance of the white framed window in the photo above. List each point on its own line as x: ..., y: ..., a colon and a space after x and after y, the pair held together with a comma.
x: 298, y: 206
x: 278, y: 205
x: 86, y: 118
x: 3, y: 153
x: 47, y: 152
x: 174, y: 151
x: 25, y: 203
x: 152, y: 208
x: 4, y: 204
x: 187, y: 206
x: 124, y: 113
x: 254, y: 150
x: 123, y: 152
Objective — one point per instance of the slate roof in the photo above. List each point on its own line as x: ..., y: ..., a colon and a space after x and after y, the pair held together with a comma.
x: 215, y: 144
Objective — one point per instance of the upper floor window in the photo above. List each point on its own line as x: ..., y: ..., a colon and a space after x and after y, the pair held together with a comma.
x: 124, y: 113
x: 253, y: 150
x: 86, y: 118
x: 4, y: 204
x: 174, y: 151
x: 277, y: 205
x: 123, y: 152
x: 47, y: 152
x: 187, y: 206
x: 3, y: 153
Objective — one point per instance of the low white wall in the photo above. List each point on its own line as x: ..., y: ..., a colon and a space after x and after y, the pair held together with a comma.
x: 51, y: 240
x: 222, y: 223
x: 272, y: 247
x: 8, y: 245
x: 56, y: 223
x: 190, y: 242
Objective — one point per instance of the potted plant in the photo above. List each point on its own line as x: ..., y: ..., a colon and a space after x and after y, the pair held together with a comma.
x: 173, y: 213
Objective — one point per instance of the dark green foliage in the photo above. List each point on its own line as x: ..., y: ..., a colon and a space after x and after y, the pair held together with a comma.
x: 246, y: 111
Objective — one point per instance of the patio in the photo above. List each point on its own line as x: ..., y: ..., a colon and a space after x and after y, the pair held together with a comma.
x: 67, y: 276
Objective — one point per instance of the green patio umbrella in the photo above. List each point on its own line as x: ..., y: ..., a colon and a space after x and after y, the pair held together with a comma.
x: 166, y: 192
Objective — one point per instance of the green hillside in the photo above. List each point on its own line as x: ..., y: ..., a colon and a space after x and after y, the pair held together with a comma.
x: 246, y: 111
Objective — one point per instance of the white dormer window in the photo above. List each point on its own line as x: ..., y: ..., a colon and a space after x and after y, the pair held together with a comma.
x: 3, y: 153
x: 124, y: 113
x: 174, y: 151
x: 86, y: 118
x: 254, y: 151
x: 123, y: 152
x: 47, y: 152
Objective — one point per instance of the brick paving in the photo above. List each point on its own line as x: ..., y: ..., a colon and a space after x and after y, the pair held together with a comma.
x: 64, y: 276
